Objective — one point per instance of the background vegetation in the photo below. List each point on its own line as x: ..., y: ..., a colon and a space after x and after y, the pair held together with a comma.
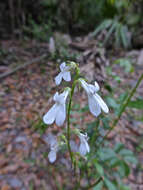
x: 39, y: 18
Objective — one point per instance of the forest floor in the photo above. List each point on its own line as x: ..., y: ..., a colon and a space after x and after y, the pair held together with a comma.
x: 27, y: 94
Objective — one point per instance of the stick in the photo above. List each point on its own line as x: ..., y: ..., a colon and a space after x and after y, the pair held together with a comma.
x: 23, y: 66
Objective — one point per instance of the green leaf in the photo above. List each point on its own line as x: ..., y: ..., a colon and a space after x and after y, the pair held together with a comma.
x: 114, y: 162
x: 109, y: 184
x: 106, y: 154
x: 131, y: 159
x: 124, y: 37
x: 106, y: 121
x: 110, y: 32
x: 118, y: 147
x: 124, y: 187
x: 138, y: 104
x: 126, y: 64
x: 126, y: 152
x: 99, y: 169
x: 112, y: 103
x: 117, y: 35
x: 105, y: 24
x: 124, y: 169
x: 99, y: 186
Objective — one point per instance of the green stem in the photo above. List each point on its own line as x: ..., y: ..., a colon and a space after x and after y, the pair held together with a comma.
x: 123, y: 108
x: 68, y: 122
x: 68, y: 114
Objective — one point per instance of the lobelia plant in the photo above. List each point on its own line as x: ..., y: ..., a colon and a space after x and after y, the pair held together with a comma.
x: 107, y: 165
x: 58, y: 113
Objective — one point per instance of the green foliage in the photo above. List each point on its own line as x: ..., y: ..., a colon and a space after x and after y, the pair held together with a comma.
x: 113, y: 75
x: 114, y: 28
x: 126, y: 64
x: 113, y: 165
x: 99, y: 186
x: 138, y: 104
x: 110, y: 163
x: 40, y: 126
x: 40, y: 32
x: 120, y: 25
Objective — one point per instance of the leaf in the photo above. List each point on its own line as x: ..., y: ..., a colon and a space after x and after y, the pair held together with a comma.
x: 124, y: 169
x: 124, y: 187
x: 106, y: 121
x: 110, y: 32
x: 126, y: 152
x: 112, y: 103
x: 118, y: 147
x: 124, y: 36
x: 123, y: 96
x: 131, y: 159
x: 99, y: 169
x: 126, y: 64
x: 114, y: 162
x: 105, y: 24
x: 99, y: 186
x: 117, y: 35
x: 106, y: 154
x: 138, y: 104
x: 109, y: 184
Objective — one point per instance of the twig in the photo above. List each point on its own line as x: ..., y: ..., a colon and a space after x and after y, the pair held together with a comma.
x: 23, y: 66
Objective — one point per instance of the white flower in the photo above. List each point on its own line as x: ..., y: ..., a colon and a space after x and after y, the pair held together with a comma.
x: 65, y: 74
x: 58, y: 111
x: 53, y: 149
x: 95, y: 102
x: 84, y: 147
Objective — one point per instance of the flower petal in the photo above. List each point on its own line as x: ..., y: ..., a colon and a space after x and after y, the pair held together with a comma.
x: 102, y: 104
x: 50, y: 116
x: 93, y: 105
x: 58, y: 78
x: 51, y: 140
x: 67, y: 76
x: 92, y: 88
x: 52, y: 156
x: 97, y: 88
x: 61, y: 114
x: 56, y: 95
x: 87, y: 147
x: 85, y: 86
x: 63, y: 96
x: 83, y: 148
x: 62, y: 66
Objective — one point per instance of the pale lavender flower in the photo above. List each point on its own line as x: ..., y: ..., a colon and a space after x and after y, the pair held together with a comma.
x: 57, y: 112
x: 64, y: 74
x: 84, y: 147
x: 95, y: 102
x: 52, y: 141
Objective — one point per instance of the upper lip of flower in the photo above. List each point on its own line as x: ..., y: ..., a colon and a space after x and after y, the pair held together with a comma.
x: 89, y: 88
x: 65, y: 73
x: 60, y: 98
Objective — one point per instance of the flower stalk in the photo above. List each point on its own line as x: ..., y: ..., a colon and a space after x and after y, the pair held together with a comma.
x: 68, y: 120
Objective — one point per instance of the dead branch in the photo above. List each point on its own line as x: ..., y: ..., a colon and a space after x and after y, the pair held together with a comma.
x: 23, y: 66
